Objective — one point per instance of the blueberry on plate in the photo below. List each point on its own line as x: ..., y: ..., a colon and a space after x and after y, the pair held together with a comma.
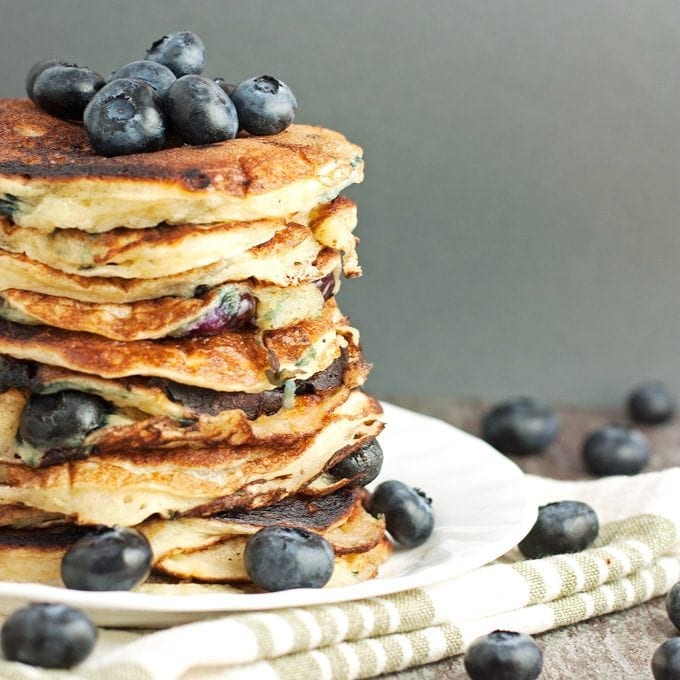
x: 520, y: 426
x: 281, y: 558
x: 362, y: 466
x: 503, y: 655
x: 62, y: 419
x: 48, y: 635
x: 109, y: 558
x: 561, y: 527
x: 200, y: 111
x: 182, y: 52
x: 265, y: 105
x: 673, y: 605
x: 408, y: 512
x: 666, y: 660
x: 158, y: 76
x: 64, y: 90
x: 651, y: 403
x: 126, y: 116
x: 615, y: 450
x: 37, y: 69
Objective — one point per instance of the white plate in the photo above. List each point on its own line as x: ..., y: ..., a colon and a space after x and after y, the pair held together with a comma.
x: 482, y: 509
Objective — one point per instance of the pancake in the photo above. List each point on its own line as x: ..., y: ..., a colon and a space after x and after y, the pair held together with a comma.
x: 293, y: 257
x: 211, y: 549
x: 237, y: 361
x: 275, y: 307
x: 128, y: 486
x: 51, y: 178
x: 167, y: 249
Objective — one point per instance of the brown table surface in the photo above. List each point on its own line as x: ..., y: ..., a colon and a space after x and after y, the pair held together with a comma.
x: 618, y: 646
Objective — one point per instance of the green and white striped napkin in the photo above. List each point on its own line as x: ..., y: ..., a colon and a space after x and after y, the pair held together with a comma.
x: 636, y: 557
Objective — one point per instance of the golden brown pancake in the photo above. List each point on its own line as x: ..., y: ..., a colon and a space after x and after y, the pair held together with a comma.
x: 167, y: 249
x: 51, y: 178
x: 128, y: 486
x: 237, y: 361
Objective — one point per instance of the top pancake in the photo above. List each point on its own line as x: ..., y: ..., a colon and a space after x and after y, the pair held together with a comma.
x: 50, y: 177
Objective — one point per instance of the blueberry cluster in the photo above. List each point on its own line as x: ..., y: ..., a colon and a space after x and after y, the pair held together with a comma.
x: 137, y: 108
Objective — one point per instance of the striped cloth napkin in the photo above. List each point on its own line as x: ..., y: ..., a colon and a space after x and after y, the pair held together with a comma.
x: 636, y: 557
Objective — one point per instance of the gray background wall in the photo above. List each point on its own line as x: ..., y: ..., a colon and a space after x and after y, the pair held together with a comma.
x: 519, y: 220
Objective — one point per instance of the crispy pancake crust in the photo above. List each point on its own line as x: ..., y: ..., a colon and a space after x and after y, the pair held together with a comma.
x: 59, y: 181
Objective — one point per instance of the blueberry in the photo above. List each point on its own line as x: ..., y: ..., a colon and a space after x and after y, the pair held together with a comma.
x: 62, y: 419
x: 281, y: 558
x: 615, y: 450
x: 182, y: 52
x: 64, y: 90
x: 37, y: 69
x: 158, y: 76
x: 673, y: 605
x: 562, y: 527
x: 666, y: 660
x: 265, y: 105
x: 326, y: 285
x: 362, y: 466
x: 651, y: 403
x: 408, y: 512
x: 234, y: 311
x: 126, y: 116
x: 520, y: 426
x: 109, y: 558
x: 503, y: 655
x: 200, y: 111
x: 48, y: 635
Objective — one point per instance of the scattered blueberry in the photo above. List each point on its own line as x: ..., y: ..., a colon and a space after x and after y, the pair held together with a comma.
x: 615, y: 450
x: 666, y: 660
x: 48, y: 635
x: 158, y: 76
x: 673, y: 605
x: 408, y: 512
x: 227, y: 87
x: 182, y: 52
x: 651, y: 403
x: 562, y: 527
x: 64, y: 90
x: 126, y: 116
x: 37, y: 69
x: 62, y: 419
x: 363, y: 466
x: 281, y: 558
x: 109, y: 558
x: 503, y: 655
x: 520, y: 426
x: 265, y: 105
x: 200, y: 111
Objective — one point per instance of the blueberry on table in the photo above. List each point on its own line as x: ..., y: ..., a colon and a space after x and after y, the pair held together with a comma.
x: 362, y: 466
x: 615, y: 450
x: 651, y: 403
x: 408, y: 512
x: 182, y: 52
x: 561, y: 527
x: 48, y: 635
x: 200, y: 111
x: 65, y: 90
x: 109, y: 558
x: 281, y: 558
x: 520, y: 426
x: 503, y: 655
x: 265, y: 105
x: 126, y: 116
x: 666, y: 660
x: 673, y: 605
x: 158, y: 76
x: 62, y: 419
x: 37, y: 69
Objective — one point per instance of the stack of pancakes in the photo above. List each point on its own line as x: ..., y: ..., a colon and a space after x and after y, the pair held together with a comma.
x: 192, y: 291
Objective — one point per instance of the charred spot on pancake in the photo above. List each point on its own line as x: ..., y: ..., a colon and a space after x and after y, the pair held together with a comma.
x: 16, y: 373
x: 56, y: 537
x: 60, y: 456
x: 195, y: 179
